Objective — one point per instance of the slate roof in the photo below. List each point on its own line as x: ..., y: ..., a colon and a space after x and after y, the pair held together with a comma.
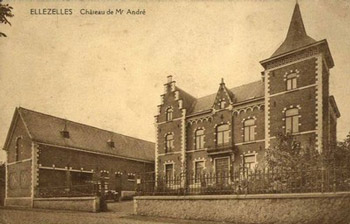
x: 296, y: 36
x: 46, y: 129
x: 241, y: 93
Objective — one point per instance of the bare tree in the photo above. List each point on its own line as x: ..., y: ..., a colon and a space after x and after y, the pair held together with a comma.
x: 5, y: 13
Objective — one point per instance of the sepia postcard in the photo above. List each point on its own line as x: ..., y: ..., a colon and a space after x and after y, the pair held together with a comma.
x: 174, y: 111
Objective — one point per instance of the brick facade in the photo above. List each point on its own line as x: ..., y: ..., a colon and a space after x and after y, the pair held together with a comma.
x: 293, y: 96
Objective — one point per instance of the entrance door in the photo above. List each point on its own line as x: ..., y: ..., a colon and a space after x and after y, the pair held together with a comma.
x: 222, y: 170
x: 118, y: 184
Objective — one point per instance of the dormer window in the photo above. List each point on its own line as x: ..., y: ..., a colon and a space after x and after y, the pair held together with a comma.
x: 111, y: 143
x: 291, y: 81
x: 65, y: 134
x: 222, y: 104
x: 169, y: 114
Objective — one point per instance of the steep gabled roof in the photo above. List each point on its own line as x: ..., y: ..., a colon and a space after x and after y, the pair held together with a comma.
x: 47, y: 129
x: 296, y: 36
x: 187, y: 98
x: 241, y: 93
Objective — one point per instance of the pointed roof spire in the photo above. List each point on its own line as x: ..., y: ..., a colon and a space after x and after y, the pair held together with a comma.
x: 296, y: 36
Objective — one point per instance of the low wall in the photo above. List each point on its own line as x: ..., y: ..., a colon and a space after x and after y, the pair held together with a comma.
x: 265, y: 208
x: 18, y: 202
x: 88, y: 204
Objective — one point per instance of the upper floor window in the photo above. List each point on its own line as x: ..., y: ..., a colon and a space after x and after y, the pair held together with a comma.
x: 249, y: 130
x: 169, y: 114
x: 222, y: 135
x: 292, y: 120
x: 222, y: 104
x: 249, y: 162
x: 199, y: 139
x: 291, y: 81
x: 169, y: 143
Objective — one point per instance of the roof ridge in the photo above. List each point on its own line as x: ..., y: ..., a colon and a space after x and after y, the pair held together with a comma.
x: 87, y: 125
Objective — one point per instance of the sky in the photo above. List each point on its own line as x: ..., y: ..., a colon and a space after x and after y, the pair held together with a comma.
x: 108, y: 71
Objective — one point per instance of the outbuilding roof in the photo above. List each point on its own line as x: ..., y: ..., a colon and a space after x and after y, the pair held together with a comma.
x: 44, y: 128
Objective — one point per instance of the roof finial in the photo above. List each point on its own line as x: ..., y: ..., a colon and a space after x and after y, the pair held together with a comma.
x: 222, y: 81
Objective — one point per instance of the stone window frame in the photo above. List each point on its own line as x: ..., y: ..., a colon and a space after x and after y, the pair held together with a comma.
x: 284, y: 117
x: 195, y: 138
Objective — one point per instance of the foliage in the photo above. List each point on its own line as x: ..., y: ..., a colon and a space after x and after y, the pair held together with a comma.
x: 288, y: 154
x: 5, y: 13
x: 340, y: 155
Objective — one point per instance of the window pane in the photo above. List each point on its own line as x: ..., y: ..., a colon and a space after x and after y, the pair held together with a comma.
x: 252, y: 133
x: 199, y: 132
x: 288, y: 124
x: 226, y: 136
x: 289, y: 84
x: 292, y: 112
x: 219, y: 138
x: 246, y: 134
x: 295, y: 124
x: 222, y: 127
x: 294, y: 83
x: 249, y: 122
x: 249, y: 159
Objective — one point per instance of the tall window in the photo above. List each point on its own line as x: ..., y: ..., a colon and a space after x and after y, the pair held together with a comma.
x: 292, y: 120
x: 249, y: 162
x: 198, y: 170
x: 249, y: 130
x: 169, y: 114
x: 169, y: 143
x: 169, y: 173
x: 17, y: 149
x: 291, y: 81
x: 222, y: 135
x: 199, y: 139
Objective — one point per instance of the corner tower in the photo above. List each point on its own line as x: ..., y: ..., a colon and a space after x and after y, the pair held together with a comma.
x: 297, y: 97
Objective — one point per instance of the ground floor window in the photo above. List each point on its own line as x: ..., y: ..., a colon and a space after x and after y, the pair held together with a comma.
x: 169, y: 173
x: 249, y: 162
x: 52, y: 178
x: 198, y: 170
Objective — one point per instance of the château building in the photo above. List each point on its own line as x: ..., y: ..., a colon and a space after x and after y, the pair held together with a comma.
x: 232, y: 128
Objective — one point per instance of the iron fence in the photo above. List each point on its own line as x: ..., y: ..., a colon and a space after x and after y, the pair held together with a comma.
x: 250, y: 182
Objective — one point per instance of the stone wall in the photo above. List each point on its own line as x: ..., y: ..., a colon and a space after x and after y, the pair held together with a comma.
x: 88, y: 204
x: 268, y: 208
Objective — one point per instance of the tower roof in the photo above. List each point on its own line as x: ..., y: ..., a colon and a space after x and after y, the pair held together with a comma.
x: 296, y: 36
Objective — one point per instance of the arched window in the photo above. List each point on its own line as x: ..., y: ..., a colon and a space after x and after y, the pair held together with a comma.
x: 169, y: 114
x: 292, y: 120
x: 169, y: 143
x: 222, y: 135
x: 291, y: 81
x: 199, y: 135
x: 249, y: 130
